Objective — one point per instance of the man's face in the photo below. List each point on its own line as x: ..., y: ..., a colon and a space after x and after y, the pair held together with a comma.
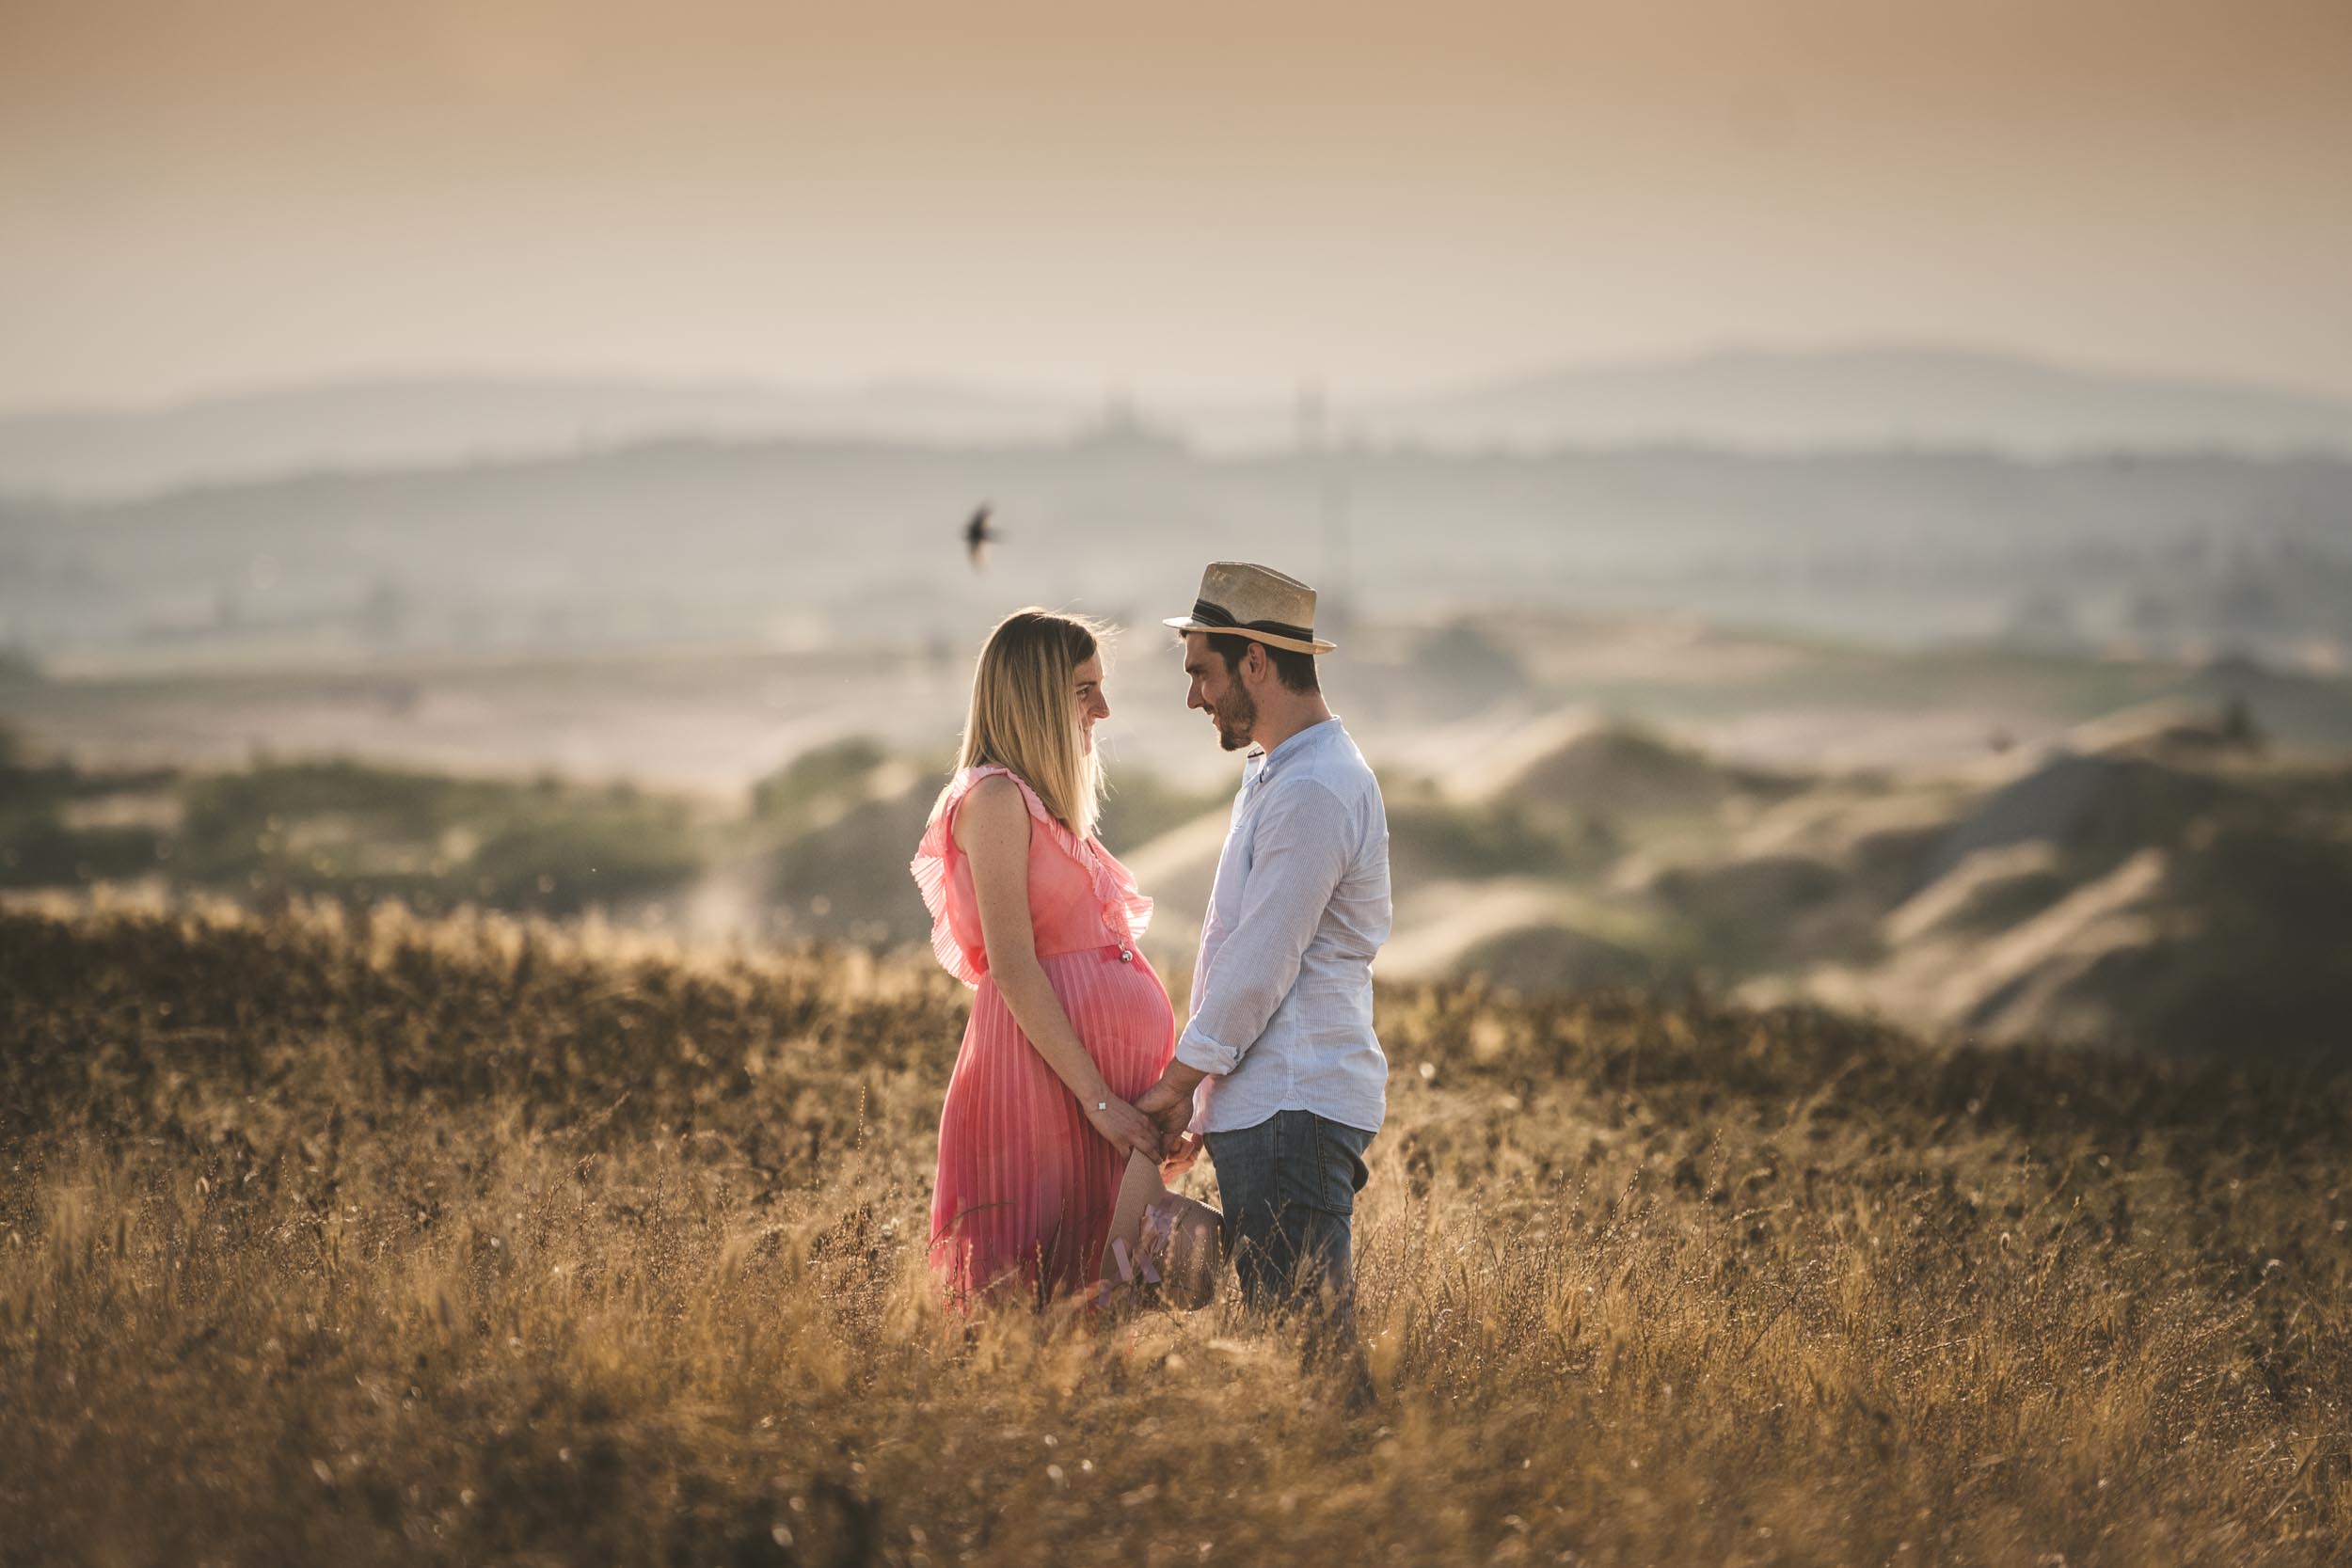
x: 1218, y: 692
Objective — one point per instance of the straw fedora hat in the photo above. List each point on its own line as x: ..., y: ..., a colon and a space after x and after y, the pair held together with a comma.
x: 1165, y: 1243
x: 1244, y: 599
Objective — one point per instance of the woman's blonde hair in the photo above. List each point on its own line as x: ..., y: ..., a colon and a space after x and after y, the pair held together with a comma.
x: 1024, y: 717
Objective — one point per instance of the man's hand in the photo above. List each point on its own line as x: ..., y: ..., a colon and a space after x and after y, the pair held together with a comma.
x: 1168, y: 1103
x: 1168, y: 1107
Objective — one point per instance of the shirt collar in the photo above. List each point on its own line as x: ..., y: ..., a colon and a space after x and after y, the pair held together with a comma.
x: 1261, y: 762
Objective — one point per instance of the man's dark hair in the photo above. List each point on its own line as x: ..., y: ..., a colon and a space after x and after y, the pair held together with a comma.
x: 1294, y: 669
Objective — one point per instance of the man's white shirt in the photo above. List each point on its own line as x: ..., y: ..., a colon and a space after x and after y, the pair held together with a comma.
x: 1281, y: 996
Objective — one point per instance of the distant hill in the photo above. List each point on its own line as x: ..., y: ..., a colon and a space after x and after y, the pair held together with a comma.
x: 2165, y: 879
x: 711, y: 539
x: 439, y: 421
x: 1746, y: 400
x: 1873, y: 397
x: 2161, y: 881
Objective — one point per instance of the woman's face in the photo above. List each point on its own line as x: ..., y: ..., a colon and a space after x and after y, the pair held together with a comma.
x: 1092, y: 708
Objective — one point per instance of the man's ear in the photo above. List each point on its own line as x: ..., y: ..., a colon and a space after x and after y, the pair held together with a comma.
x: 1257, y: 661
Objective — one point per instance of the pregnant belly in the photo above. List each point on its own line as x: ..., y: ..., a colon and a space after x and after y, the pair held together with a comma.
x: 1120, y: 1010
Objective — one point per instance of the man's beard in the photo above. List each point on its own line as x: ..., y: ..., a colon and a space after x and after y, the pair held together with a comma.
x: 1237, y: 717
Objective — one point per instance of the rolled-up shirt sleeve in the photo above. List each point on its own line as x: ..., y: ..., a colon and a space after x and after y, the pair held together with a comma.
x: 1297, y: 853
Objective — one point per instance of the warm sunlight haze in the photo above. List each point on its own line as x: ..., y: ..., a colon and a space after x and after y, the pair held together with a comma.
x: 1528, y: 783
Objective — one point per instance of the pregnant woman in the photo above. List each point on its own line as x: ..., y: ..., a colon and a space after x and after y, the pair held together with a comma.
x: 1068, y: 1023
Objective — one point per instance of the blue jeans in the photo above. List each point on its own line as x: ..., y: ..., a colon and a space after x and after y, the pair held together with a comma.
x: 1289, y: 1185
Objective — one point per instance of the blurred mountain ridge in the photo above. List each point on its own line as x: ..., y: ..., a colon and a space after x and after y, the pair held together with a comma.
x: 705, y: 538
x: 1900, y: 396
x: 1744, y: 399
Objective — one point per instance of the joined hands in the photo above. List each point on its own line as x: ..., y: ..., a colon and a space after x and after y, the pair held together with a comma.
x: 1154, y: 1125
x: 1126, y: 1126
x: 1169, y: 1109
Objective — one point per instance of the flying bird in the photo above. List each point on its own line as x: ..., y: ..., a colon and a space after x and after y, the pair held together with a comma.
x: 978, y: 536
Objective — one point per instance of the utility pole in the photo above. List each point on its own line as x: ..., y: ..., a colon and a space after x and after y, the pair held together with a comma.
x: 1335, y: 600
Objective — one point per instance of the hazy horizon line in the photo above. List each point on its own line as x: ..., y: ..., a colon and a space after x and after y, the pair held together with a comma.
x: 1117, y: 389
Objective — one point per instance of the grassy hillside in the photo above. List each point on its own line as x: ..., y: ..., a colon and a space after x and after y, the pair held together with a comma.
x: 2162, y: 881
x: 820, y: 849
x: 2165, y: 880
x: 348, y: 1237
x: 344, y: 829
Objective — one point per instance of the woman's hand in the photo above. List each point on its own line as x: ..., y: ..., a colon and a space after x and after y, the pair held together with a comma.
x: 1124, y: 1125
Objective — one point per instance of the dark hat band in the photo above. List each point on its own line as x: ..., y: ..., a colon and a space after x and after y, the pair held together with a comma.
x: 1218, y: 615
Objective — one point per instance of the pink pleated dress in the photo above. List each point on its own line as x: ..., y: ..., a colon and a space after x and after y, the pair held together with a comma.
x: 1027, y: 1185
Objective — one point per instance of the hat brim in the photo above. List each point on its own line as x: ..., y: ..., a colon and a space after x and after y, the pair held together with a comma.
x: 1317, y: 645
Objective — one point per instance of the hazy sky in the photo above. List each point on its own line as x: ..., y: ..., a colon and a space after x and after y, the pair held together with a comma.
x: 1182, y: 197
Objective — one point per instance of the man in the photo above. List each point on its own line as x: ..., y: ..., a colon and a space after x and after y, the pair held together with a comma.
x: 1281, y: 996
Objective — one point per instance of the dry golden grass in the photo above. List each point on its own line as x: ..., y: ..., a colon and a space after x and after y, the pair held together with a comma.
x: 369, y: 1240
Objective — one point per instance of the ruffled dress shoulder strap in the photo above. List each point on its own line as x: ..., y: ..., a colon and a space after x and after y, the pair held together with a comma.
x: 934, y: 866
x: 1125, y: 910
